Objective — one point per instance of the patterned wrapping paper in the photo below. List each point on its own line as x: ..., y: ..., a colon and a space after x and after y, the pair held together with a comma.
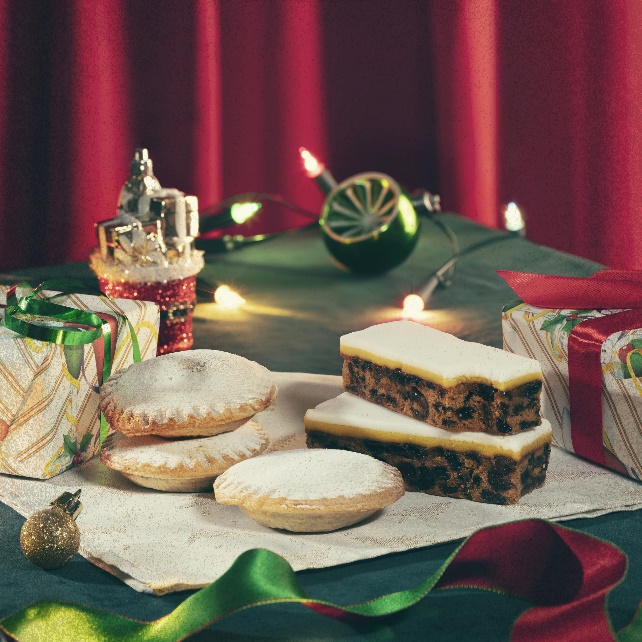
x: 48, y: 392
x: 543, y: 335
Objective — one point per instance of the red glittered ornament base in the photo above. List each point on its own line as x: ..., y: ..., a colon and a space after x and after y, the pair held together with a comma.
x: 176, y: 300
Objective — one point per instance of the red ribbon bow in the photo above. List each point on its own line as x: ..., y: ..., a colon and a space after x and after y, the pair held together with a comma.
x: 608, y: 289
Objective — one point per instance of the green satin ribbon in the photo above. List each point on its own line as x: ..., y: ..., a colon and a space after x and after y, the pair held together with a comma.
x: 257, y: 577
x: 17, y: 318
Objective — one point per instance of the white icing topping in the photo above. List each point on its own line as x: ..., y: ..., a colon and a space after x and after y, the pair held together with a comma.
x: 348, y: 410
x: 418, y: 349
x: 196, y: 383
x: 171, y: 453
x: 115, y: 271
x: 307, y: 474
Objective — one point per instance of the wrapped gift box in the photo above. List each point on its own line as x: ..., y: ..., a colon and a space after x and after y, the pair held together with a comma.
x: 49, y: 419
x: 543, y: 334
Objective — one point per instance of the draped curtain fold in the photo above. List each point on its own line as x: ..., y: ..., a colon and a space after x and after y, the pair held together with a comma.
x: 483, y: 101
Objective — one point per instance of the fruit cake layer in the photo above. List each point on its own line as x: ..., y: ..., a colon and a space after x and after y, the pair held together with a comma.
x: 471, y: 465
x: 437, y: 378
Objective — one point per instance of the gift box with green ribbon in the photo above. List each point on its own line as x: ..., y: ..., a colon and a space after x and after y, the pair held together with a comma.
x: 55, y: 351
x: 587, y: 335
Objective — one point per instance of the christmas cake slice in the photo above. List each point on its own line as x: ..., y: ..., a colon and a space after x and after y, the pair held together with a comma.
x: 437, y: 378
x: 469, y: 465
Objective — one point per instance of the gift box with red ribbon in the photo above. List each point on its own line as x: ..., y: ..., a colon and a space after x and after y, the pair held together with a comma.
x: 55, y: 351
x: 587, y: 335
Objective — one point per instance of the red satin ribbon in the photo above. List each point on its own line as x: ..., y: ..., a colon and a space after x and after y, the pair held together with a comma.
x: 565, y: 573
x: 608, y: 289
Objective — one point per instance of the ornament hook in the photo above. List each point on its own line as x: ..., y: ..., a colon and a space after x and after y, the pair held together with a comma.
x: 69, y: 502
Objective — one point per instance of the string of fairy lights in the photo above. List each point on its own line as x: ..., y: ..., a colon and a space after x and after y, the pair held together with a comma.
x: 242, y: 208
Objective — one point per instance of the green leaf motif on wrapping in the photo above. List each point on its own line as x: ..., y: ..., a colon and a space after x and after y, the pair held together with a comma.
x: 70, y: 446
x: 85, y: 441
x: 551, y: 324
x: 73, y: 357
x: 566, y: 321
x: 570, y: 324
x: 636, y: 365
x: 72, y: 450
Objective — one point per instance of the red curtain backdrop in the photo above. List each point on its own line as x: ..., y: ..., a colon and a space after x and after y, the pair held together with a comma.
x: 482, y: 101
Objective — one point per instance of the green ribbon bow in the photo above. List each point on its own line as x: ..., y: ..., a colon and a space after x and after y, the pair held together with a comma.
x: 20, y: 312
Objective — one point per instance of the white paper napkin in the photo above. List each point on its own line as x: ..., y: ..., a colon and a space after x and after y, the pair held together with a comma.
x: 162, y: 542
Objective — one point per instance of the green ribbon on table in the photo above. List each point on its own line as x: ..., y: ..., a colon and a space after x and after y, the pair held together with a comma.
x: 566, y: 573
x: 19, y: 310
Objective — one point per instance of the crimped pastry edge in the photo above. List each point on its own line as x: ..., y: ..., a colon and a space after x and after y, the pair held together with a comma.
x: 215, y: 466
x: 132, y: 424
x: 177, y: 485
x: 307, y: 522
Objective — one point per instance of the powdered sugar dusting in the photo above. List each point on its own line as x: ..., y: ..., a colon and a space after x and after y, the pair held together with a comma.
x: 193, y: 383
x: 150, y: 450
x: 308, y: 474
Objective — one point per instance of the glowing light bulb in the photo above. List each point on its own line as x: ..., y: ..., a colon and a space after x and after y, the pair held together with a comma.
x: 313, y: 167
x: 228, y: 298
x: 513, y: 219
x: 317, y: 171
x: 413, y: 305
x: 242, y: 212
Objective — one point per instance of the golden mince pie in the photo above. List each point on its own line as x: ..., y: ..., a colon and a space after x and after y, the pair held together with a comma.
x: 197, y: 393
x: 309, y: 490
x: 182, y: 465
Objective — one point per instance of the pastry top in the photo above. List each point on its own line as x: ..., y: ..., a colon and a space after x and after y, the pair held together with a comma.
x: 350, y: 416
x: 151, y: 455
x: 311, y: 481
x: 187, y: 385
x: 438, y: 356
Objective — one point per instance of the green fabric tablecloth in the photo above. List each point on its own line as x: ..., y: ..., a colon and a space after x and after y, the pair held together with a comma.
x: 298, y: 305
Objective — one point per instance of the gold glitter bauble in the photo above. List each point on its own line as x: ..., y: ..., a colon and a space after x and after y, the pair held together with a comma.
x: 49, y: 538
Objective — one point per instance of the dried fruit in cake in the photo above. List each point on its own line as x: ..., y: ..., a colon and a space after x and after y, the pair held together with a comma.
x: 309, y: 490
x: 187, y: 394
x: 437, y: 378
x: 467, y: 465
x: 182, y: 465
